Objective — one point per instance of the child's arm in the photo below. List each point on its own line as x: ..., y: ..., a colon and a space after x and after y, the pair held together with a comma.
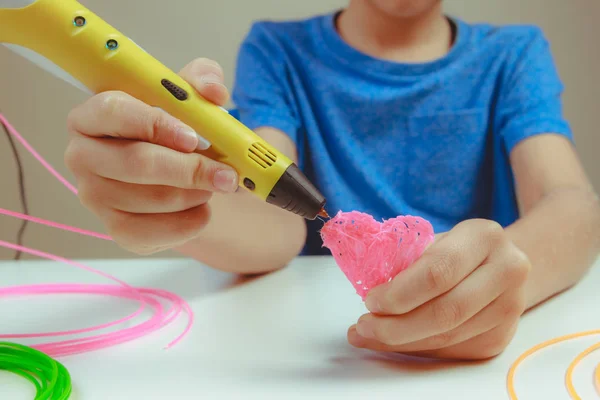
x: 246, y: 235
x: 137, y: 170
x: 559, y: 228
x: 464, y: 297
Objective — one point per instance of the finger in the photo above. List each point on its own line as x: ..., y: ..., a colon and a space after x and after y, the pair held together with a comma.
x: 487, y: 345
x: 97, y: 192
x: 118, y: 115
x: 159, y: 231
x: 147, y: 164
x: 508, y: 307
x: 446, y: 263
x: 207, y: 77
x: 445, y: 313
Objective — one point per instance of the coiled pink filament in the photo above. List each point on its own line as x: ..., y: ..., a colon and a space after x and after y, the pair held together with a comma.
x: 146, y: 296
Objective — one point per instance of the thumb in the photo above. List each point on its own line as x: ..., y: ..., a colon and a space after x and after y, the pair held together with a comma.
x: 207, y: 77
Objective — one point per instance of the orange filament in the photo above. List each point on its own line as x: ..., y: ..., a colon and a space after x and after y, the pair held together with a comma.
x: 569, y: 375
x: 571, y: 368
x: 597, y: 379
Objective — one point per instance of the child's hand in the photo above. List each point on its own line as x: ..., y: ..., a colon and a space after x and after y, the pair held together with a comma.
x: 462, y: 299
x: 136, y: 168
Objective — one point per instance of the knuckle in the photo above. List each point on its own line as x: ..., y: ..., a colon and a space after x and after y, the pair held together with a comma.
x: 87, y: 197
x: 517, y: 268
x: 203, y: 173
x: 71, y: 156
x: 492, y: 351
x: 108, y: 103
x: 74, y: 156
x: 495, y: 346
x: 72, y: 119
x: 440, y: 272
x: 493, y: 231
x: 119, y: 227
x: 521, y: 259
x: 191, y: 227
x: 495, y: 341
x: 522, y: 263
x: 157, y: 123
x: 154, y: 124
x: 513, y: 308
x: 199, y: 173
x: 124, y: 229
x: 447, y: 315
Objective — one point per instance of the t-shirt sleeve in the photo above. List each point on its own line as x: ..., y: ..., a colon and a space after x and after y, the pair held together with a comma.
x: 530, y: 100
x: 262, y: 92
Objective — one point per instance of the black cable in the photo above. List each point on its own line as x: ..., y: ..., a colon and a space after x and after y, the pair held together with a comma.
x: 23, y: 195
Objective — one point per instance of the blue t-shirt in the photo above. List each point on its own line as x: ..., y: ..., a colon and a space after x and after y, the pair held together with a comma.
x: 429, y: 139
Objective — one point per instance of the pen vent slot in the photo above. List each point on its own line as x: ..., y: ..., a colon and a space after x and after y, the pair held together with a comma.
x: 261, y: 155
x: 175, y: 90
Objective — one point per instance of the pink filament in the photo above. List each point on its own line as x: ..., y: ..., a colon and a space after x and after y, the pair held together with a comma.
x: 54, y: 224
x: 146, y: 296
x: 370, y: 252
x: 35, y: 154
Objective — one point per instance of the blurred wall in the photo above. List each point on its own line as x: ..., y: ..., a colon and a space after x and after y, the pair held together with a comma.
x: 37, y: 103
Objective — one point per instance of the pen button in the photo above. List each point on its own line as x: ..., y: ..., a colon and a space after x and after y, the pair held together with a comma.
x: 249, y: 184
x: 175, y: 90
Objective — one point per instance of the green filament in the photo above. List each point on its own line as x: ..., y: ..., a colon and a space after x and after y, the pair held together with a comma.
x: 51, y: 379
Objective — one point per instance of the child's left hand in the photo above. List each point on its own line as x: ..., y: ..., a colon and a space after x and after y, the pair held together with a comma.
x: 462, y: 299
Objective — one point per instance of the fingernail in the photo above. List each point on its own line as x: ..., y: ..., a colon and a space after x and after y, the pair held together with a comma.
x: 372, y: 304
x: 188, y: 140
x: 365, y: 330
x: 211, y: 79
x: 355, y: 339
x: 185, y: 138
x: 226, y: 180
x: 203, y: 144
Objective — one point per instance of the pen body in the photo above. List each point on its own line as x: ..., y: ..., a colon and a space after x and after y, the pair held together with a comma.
x: 103, y: 59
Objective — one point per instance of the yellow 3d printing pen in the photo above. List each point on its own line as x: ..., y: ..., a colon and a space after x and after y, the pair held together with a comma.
x: 64, y: 37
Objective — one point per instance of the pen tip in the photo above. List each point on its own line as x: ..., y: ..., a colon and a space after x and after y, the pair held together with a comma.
x: 323, y: 213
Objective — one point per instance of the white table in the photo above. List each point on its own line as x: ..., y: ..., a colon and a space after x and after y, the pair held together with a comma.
x: 281, y: 336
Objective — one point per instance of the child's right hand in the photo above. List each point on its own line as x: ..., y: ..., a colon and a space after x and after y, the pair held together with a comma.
x: 136, y: 168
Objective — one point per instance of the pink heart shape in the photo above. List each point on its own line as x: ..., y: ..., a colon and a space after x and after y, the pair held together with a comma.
x: 370, y: 252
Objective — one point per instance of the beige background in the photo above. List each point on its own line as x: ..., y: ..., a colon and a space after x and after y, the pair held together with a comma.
x: 37, y: 103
